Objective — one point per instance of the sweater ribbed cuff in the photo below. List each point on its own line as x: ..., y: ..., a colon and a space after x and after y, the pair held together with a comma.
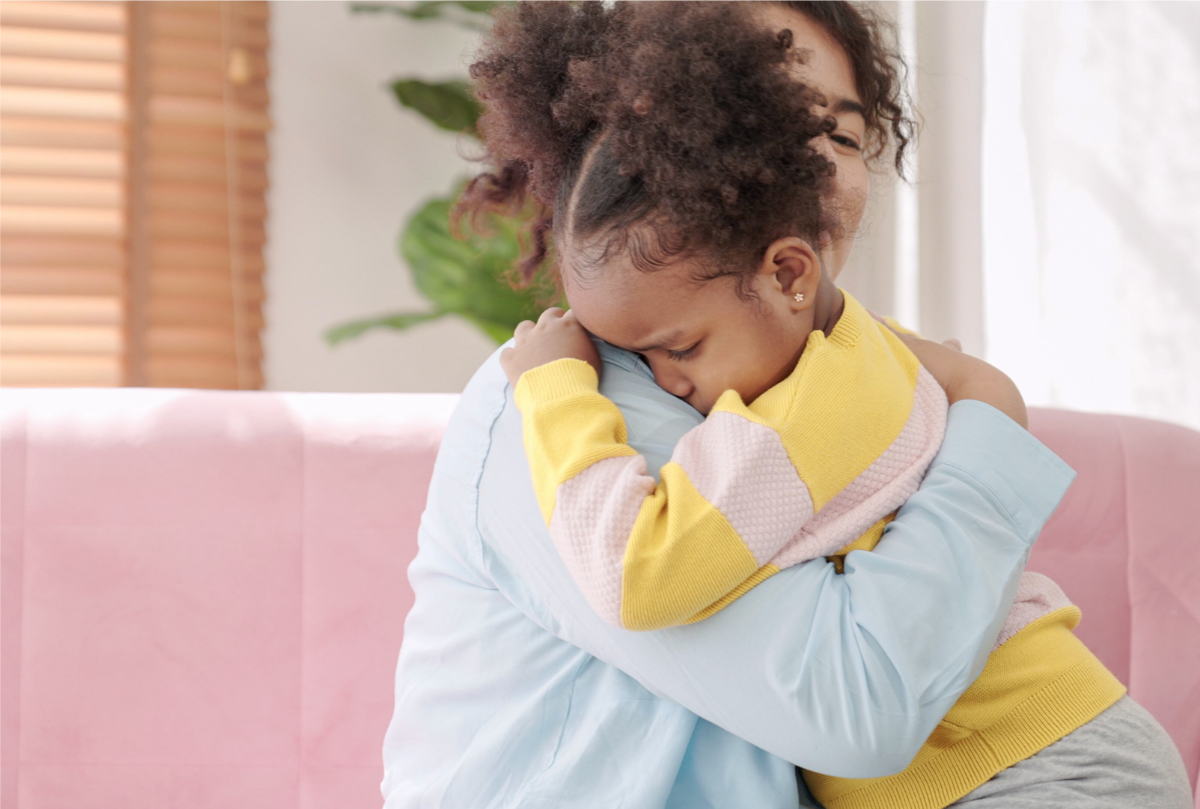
x: 556, y: 380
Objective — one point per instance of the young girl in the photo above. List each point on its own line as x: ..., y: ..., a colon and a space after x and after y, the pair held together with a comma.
x: 695, y: 207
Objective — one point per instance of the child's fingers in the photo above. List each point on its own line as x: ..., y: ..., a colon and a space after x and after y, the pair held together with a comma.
x: 954, y: 343
x: 521, y: 330
x: 553, y: 313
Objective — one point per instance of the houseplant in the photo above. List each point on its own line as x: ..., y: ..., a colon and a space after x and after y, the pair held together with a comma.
x: 467, y: 277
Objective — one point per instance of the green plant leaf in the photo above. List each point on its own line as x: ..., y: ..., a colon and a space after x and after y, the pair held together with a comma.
x: 448, y: 105
x: 469, y: 14
x: 479, y: 6
x: 464, y: 277
x: 399, y: 321
x: 467, y: 277
x: 499, y: 332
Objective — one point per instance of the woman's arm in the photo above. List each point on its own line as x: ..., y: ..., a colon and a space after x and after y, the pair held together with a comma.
x: 842, y: 674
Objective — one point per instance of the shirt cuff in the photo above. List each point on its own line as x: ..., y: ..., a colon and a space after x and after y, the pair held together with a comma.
x: 1026, y: 478
x: 560, y: 379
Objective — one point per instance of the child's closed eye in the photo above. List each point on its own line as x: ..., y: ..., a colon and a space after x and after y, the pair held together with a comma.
x: 684, y: 354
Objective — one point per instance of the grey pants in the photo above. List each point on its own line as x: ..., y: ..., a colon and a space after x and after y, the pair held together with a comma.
x: 1122, y: 759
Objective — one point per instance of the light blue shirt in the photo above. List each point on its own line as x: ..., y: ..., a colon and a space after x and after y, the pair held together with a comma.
x: 511, y: 692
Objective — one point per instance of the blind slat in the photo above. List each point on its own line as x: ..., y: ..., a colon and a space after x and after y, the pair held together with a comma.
x: 65, y: 191
x: 253, y: 10
x: 210, y: 340
x: 56, y: 309
x: 94, y: 105
x: 182, y: 53
x: 60, y: 371
x: 206, y: 113
x: 205, y: 199
x: 177, y: 255
x: 212, y: 92
x: 249, y: 147
x: 62, y: 73
x: 85, y: 16
x: 188, y: 81
x: 202, y: 171
x: 62, y: 162
x: 38, y: 251
x: 20, y: 41
x: 203, y: 312
x: 59, y: 133
x: 69, y: 221
x: 170, y: 25
x: 63, y: 339
x: 208, y: 228
x: 204, y: 285
x: 62, y: 280
x: 197, y: 372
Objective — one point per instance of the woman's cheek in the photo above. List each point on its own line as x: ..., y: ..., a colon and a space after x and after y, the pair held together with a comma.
x: 851, y: 190
x: 852, y: 186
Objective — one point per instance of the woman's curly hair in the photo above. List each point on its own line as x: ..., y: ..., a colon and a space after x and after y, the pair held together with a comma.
x: 655, y: 128
x: 879, y: 72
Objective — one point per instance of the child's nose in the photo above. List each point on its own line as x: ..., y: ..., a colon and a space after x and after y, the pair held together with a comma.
x: 671, y: 380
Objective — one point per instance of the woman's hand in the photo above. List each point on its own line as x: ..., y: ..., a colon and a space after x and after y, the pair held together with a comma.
x: 966, y: 377
x: 557, y: 335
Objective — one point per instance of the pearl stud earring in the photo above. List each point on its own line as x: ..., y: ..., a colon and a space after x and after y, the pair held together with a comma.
x: 799, y: 297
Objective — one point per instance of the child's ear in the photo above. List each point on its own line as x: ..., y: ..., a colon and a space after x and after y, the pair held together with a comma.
x: 794, y: 271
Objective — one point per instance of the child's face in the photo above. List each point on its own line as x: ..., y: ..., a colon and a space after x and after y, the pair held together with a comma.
x: 702, y: 339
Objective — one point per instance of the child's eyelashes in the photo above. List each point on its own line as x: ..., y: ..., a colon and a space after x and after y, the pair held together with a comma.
x: 683, y: 355
x: 849, y: 143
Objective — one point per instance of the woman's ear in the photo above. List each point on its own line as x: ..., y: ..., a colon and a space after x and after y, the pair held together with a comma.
x: 791, y: 268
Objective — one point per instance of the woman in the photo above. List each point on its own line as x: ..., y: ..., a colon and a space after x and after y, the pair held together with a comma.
x: 511, y: 692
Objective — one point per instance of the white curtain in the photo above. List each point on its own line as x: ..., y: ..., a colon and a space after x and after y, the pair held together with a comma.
x: 1054, y: 224
x: 919, y: 253
x: 1091, y: 204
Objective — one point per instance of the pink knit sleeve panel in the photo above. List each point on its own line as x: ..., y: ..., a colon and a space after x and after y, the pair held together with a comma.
x: 593, y: 518
x: 1037, y: 595
x: 883, y: 487
x: 742, y: 469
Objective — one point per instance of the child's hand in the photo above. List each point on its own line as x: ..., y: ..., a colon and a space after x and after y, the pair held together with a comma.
x: 557, y: 335
x: 966, y: 377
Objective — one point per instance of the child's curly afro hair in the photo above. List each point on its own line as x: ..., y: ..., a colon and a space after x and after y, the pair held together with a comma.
x: 660, y: 128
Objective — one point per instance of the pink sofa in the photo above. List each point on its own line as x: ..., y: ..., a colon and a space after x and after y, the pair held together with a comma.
x: 204, y: 593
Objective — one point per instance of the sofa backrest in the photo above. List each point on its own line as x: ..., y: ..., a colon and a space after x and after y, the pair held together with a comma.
x: 204, y: 593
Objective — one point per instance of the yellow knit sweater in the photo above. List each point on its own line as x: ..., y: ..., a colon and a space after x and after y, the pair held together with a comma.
x: 816, y: 466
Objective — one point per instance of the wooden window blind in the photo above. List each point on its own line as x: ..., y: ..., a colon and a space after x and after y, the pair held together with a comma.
x: 133, y: 159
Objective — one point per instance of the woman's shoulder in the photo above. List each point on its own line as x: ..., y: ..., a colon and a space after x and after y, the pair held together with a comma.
x: 654, y: 419
x: 465, y: 443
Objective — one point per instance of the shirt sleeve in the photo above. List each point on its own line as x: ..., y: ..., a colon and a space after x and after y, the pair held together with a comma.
x: 843, y: 674
x: 649, y: 555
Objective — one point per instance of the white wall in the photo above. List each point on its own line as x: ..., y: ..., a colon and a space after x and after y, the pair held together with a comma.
x: 348, y: 166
